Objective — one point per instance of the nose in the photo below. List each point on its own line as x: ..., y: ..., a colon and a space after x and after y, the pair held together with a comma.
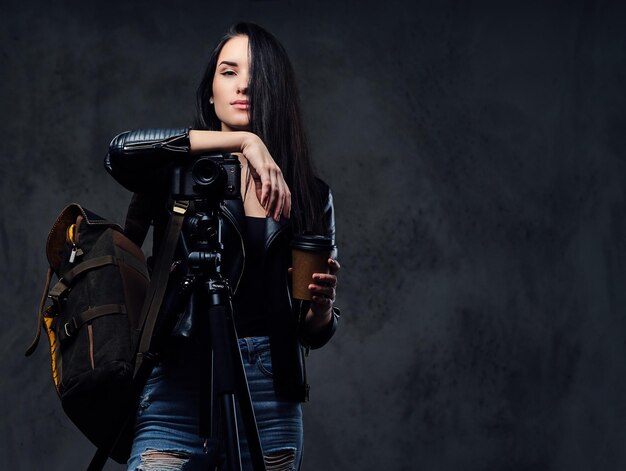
x: 242, y: 86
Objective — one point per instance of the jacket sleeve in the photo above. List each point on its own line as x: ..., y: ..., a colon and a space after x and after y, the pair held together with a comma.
x: 329, y: 221
x: 320, y: 339
x: 141, y: 160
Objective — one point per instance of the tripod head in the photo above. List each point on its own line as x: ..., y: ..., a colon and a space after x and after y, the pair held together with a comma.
x: 206, y: 180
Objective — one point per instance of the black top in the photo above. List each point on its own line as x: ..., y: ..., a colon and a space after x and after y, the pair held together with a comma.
x: 249, y: 308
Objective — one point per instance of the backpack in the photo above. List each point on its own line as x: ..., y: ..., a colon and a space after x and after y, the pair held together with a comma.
x: 93, y: 321
x: 102, y: 324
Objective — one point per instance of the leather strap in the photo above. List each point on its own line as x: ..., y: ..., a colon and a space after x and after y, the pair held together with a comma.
x: 44, y: 295
x: 128, y: 259
x: 66, y: 281
x: 71, y: 326
x: 158, y: 282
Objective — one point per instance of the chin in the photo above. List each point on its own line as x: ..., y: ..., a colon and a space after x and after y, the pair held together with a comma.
x: 236, y: 127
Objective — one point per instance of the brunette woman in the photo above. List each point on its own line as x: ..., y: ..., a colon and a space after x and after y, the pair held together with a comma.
x: 247, y: 105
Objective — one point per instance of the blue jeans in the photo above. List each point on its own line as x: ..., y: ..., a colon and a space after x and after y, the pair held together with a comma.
x: 166, y: 429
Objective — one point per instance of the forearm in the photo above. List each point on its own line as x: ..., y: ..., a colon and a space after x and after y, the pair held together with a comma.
x: 315, y: 323
x: 208, y: 141
x: 316, y: 330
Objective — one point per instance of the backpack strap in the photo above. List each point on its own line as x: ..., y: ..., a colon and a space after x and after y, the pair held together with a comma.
x: 158, y: 282
x: 44, y: 295
x: 76, y: 322
x: 147, y: 321
x: 122, y: 256
x: 66, y: 281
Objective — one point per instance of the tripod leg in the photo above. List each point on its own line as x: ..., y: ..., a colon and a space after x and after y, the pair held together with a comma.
x: 230, y: 380
x: 247, y: 413
x: 233, y: 451
x: 225, y: 382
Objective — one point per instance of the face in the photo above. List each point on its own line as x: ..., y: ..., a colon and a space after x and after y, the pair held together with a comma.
x: 230, y: 85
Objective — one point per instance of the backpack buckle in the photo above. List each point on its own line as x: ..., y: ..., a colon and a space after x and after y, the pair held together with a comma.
x: 70, y: 328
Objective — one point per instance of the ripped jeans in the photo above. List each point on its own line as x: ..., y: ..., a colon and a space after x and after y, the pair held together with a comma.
x: 166, y: 429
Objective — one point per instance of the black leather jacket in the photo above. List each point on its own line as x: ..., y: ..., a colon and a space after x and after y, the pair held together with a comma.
x: 141, y: 161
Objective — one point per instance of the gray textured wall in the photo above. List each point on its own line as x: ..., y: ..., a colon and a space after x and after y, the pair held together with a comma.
x: 475, y: 151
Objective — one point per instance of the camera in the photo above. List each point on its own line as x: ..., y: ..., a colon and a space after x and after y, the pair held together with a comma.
x: 213, y: 176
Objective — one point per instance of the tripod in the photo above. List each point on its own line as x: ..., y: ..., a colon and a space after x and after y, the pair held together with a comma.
x: 207, y: 294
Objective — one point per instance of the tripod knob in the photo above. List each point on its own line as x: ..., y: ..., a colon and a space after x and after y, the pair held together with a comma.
x: 206, y: 262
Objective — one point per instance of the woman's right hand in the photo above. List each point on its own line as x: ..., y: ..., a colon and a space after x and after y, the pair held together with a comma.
x: 271, y: 188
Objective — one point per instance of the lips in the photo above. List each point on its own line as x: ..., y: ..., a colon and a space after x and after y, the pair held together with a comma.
x: 241, y: 104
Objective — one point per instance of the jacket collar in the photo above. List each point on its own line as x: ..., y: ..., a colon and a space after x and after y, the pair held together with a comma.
x: 233, y: 210
x: 273, y: 229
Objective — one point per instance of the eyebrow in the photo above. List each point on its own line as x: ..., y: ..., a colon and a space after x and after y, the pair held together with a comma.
x: 232, y: 64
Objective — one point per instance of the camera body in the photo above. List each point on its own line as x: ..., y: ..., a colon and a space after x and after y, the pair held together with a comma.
x: 208, y: 176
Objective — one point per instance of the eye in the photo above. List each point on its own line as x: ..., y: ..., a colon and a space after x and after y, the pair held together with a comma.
x: 228, y: 73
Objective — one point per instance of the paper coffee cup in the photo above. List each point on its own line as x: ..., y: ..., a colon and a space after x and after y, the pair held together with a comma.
x: 310, y: 255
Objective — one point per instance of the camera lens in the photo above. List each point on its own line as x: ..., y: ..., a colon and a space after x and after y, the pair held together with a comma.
x: 205, y: 172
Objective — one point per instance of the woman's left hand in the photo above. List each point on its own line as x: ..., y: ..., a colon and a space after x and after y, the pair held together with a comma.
x: 323, y: 289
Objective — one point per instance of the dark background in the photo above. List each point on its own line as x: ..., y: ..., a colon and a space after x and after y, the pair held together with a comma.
x: 475, y: 152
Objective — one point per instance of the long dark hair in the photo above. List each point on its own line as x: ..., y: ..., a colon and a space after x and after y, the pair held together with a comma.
x: 275, y: 117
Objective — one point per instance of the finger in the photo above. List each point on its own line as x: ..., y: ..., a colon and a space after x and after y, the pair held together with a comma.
x: 322, y: 291
x: 258, y: 185
x: 280, y: 201
x: 273, y: 195
x: 334, y: 265
x: 279, y: 207
x: 325, y: 279
x: 287, y: 207
x: 259, y: 193
x: 266, y: 186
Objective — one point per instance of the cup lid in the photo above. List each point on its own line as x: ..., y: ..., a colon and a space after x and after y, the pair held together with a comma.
x: 312, y: 242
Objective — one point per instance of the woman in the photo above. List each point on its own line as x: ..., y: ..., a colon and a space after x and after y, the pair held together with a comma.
x: 247, y: 105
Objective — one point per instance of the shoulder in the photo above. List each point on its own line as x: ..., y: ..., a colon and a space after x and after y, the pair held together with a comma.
x: 322, y: 186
